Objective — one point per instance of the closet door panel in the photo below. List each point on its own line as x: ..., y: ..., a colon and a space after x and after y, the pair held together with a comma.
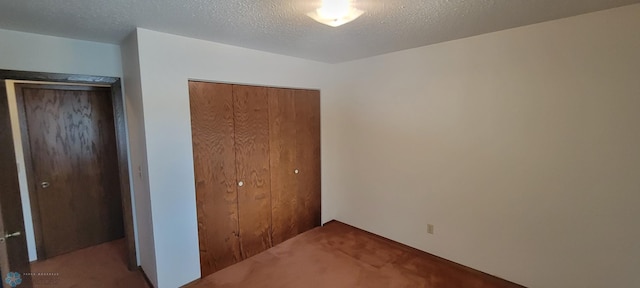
x: 284, y: 188
x: 215, y: 174
x: 251, y: 113
x: 307, y: 104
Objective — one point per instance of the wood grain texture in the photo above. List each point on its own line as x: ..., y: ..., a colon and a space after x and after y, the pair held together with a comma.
x: 13, y: 251
x: 212, y: 126
x: 123, y: 168
x: 260, y: 137
x: 284, y: 185
x: 75, y: 78
x: 251, y: 114
x: 73, y: 147
x: 307, y: 103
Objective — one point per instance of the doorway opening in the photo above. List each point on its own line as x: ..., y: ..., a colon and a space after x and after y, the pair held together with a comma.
x: 75, y: 197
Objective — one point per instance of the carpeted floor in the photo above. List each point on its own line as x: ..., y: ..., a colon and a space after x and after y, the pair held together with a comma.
x: 100, y: 266
x: 338, y: 255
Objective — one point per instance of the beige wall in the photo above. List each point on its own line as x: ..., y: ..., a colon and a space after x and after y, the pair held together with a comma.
x: 521, y: 146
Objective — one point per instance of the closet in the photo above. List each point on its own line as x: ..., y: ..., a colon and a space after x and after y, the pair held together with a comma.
x: 256, y: 157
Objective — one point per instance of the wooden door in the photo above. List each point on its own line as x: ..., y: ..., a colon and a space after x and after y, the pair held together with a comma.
x: 71, y: 139
x: 307, y: 103
x: 295, y: 161
x: 212, y: 127
x: 13, y: 250
x: 251, y: 114
x: 257, y: 168
x: 284, y: 185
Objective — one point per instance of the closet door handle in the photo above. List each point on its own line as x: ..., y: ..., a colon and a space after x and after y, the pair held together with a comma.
x: 296, y: 171
x: 240, y: 184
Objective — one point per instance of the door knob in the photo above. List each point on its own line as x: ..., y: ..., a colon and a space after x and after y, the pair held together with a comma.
x: 7, y: 236
x: 240, y: 184
x: 44, y: 184
x: 296, y: 171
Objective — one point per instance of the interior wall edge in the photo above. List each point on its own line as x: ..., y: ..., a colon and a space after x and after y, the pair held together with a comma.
x: 137, y: 143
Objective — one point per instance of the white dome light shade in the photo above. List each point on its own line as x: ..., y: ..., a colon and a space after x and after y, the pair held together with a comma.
x: 335, y: 12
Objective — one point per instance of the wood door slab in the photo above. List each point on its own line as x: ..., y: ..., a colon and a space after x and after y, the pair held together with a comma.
x: 251, y: 113
x: 307, y: 103
x: 212, y: 126
x: 284, y: 186
x: 73, y: 148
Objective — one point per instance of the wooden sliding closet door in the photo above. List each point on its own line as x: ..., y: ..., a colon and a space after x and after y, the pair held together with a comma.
x: 284, y: 185
x: 295, y: 161
x: 257, y: 168
x: 307, y: 104
x: 212, y: 126
x: 251, y: 114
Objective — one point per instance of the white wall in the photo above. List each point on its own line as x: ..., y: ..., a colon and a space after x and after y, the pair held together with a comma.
x: 40, y: 53
x: 521, y: 146
x: 32, y: 52
x: 137, y: 146
x: 167, y: 62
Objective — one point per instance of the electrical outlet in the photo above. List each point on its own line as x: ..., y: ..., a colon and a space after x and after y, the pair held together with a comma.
x: 430, y: 228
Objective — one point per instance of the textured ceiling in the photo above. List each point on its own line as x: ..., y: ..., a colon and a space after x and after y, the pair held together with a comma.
x: 281, y: 26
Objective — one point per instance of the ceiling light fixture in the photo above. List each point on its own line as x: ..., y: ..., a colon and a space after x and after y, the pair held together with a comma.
x: 335, y: 12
